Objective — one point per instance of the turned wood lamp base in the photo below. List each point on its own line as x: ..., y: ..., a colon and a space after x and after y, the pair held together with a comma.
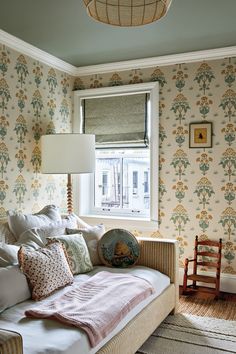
x: 69, y: 194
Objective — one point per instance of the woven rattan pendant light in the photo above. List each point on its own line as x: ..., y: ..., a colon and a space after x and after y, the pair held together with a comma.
x: 126, y: 13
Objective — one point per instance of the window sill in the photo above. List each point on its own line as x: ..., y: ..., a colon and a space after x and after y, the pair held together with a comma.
x: 140, y: 224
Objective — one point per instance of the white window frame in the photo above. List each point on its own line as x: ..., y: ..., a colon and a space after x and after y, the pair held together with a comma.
x: 83, y: 185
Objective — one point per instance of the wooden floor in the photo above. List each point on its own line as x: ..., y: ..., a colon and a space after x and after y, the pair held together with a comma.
x: 201, y: 295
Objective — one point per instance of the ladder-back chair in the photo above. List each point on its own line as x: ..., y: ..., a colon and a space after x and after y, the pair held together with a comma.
x: 206, y: 254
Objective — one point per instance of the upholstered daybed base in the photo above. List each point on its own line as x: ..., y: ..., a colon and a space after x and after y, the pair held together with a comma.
x: 162, y: 255
x: 10, y: 342
x: 130, y: 338
x: 157, y: 254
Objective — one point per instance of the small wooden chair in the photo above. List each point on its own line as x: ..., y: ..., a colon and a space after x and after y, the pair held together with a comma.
x: 213, y: 261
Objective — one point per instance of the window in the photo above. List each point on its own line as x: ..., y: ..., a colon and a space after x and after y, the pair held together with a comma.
x: 126, y: 161
x: 146, y: 182
x: 104, y: 184
x: 120, y: 190
x: 135, y: 182
x: 107, y: 169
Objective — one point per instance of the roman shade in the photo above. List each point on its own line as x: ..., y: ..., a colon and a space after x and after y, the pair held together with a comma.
x: 117, y: 121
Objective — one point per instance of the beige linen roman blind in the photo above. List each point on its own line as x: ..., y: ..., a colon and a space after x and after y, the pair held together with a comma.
x: 117, y: 121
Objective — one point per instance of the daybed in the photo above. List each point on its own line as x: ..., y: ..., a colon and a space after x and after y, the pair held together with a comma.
x: 33, y: 336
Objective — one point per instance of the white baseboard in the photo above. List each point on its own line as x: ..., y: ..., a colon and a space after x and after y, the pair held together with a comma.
x: 227, y: 281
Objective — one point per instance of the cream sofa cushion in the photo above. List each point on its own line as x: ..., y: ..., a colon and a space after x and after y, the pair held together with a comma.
x: 14, y: 287
x: 8, y: 254
x: 18, y: 222
x: 5, y: 233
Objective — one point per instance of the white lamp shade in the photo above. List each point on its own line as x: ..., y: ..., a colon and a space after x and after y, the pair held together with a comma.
x: 68, y: 153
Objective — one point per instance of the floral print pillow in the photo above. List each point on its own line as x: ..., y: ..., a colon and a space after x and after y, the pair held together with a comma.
x: 92, y: 235
x: 77, y: 251
x: 46, y: 269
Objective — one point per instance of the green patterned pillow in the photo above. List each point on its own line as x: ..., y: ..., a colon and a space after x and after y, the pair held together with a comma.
x: 77, y: 252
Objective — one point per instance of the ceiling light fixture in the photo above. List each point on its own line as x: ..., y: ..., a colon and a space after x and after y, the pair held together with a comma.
x: 127, y: 13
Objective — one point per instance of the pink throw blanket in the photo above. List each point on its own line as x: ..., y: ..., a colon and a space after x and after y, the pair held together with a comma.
x: 97, y: 305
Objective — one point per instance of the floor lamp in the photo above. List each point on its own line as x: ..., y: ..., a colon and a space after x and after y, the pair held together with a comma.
x: 70, y: 154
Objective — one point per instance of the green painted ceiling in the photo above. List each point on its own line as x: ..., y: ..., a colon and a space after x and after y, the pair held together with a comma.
x: 62, y: 28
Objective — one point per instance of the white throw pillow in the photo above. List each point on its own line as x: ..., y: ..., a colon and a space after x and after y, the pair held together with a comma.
x: 5, y: 234
x: 58, y: 228
x: 37, y: 236
x: 15, y: 288
x: 30, y: 239
x: 92, y: 235
x: 8, y: 254
x: 80, y: 224
x: 18, y: 222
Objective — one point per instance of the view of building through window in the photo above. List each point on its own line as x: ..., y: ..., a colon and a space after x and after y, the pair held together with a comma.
x: 122, y: 180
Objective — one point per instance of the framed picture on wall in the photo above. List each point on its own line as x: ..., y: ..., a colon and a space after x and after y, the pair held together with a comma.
x: 200, y: 135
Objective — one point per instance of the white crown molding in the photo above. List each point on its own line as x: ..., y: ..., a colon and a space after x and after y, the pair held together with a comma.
x: 48, y: 59
x: 191, y: 57
x: 35, y: 53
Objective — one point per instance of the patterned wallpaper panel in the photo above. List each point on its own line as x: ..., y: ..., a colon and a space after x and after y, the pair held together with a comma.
x: 197, y: 186
x: 34, y: 99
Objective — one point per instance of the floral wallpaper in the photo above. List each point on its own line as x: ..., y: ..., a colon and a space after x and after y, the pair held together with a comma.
x: 34, y: 99
x: 197, y: 187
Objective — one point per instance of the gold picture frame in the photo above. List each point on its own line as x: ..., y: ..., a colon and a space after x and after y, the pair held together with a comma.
x: 200, y: 135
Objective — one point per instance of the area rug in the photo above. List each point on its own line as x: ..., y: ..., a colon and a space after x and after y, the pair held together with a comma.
x: 207, y: 307
x: 185, y: 334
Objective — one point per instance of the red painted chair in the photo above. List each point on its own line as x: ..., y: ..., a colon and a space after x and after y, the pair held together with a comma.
x: 206, y: 254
